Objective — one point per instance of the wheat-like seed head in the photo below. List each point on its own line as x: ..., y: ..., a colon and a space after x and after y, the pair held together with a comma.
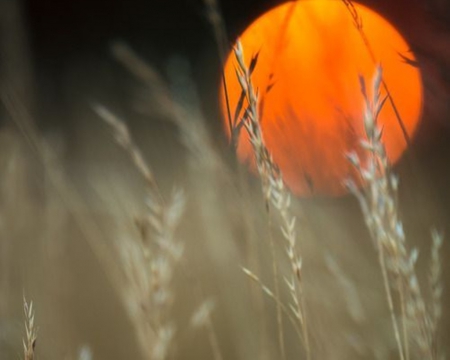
x: 29, y: 342
x: 378, y: 201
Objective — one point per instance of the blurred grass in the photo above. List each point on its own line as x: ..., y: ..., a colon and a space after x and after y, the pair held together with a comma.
x: 45, y: 254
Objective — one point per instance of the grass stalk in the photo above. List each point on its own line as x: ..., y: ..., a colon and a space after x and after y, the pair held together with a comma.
x: 387, y: 288
x: 379, y: 203
x: 274, y: 192
x: 277, y: 289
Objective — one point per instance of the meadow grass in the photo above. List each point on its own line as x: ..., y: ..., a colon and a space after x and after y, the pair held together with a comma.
x: 168, y: 266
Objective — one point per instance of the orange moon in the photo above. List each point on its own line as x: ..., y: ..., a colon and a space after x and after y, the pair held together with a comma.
x: 310, y: 58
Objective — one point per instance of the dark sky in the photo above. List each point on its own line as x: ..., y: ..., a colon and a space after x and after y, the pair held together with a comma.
x: 59, y: 27
x: 62, y: 25
x: 62, y: 28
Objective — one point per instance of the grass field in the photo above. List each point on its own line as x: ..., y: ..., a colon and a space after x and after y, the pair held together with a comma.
x: 153, y: 242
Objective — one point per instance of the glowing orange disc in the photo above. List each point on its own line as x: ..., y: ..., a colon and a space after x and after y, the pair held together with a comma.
x: 310, y: 56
